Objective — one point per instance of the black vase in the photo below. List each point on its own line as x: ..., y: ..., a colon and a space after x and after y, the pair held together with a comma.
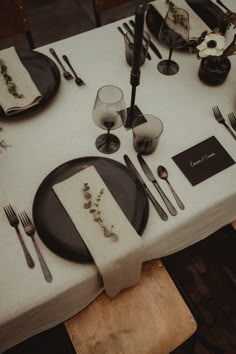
x: 213, y: 71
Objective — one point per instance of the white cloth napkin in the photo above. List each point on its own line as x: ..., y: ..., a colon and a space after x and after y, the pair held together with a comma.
x: 23, y: 81
x: 197, y: 26
x: 119, y: 261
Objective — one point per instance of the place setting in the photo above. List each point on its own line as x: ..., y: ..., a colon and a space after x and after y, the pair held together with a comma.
x: 29, y: 81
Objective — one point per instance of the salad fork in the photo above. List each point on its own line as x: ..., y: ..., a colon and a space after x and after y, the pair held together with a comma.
x: 78, y: 79
x: 30, y: 231
x: 220, y: 119
x: 232, y: 119
x: 14, y: 222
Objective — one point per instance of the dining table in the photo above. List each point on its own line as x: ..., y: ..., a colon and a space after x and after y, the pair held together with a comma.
x: 64, y: 130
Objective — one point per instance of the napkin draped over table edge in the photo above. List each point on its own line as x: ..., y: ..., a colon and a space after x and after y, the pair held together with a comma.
x: 23, y: 81
x: 119, y: 261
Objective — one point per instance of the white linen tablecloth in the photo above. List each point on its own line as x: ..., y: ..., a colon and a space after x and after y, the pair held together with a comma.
x: 65, y: 130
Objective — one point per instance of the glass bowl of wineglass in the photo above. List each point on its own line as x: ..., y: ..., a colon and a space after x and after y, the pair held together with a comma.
x: 109, y: 112
x: 174, y: 32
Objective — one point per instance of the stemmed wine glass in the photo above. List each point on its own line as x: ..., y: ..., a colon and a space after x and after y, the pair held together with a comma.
x: 174, y: 33
x: 109, y: 112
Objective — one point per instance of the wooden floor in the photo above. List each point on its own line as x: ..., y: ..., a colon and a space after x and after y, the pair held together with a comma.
x: 206, y: 273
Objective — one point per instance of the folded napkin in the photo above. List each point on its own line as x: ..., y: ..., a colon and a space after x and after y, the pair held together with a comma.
x: 25, y: 86
x: 114, y: 244
x: 197, y: 26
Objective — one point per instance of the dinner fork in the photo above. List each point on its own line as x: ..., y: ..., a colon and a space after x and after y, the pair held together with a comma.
x: 232, y: 119
x: 78, y: 80
x: 14, y: 222
x: 67, y: 75
x: 30, y: 231
x: 220, y: 119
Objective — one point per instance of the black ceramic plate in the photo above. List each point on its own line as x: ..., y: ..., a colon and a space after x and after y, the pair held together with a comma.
x: 45, y: 75
x: 209, y: 12
x: 55, y: 227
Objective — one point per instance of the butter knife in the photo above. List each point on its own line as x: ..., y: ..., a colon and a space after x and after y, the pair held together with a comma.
x: 155, y: 203
x: 146, y: 169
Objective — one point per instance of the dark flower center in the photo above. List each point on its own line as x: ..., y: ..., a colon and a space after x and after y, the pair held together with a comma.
x: 211, y: 44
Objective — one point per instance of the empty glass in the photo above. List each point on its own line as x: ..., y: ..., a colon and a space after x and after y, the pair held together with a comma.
x: 174, y: 33
x: 109, y: 112
x: 129, y: 47
x: 147, y: 130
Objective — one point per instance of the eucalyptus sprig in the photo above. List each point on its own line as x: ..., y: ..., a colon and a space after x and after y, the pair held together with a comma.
x: 177, y: 18
x: 94, y: 209
x: 11, y: 86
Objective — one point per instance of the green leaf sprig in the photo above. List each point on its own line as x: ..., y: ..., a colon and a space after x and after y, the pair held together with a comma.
x: 94, y: 209
x: 11, y: 86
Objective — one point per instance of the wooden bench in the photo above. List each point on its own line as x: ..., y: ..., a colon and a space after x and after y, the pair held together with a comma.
x: 150, y: 318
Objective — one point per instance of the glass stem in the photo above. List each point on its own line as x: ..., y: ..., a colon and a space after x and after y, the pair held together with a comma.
x: 170, y: 54
x: 108, y: 135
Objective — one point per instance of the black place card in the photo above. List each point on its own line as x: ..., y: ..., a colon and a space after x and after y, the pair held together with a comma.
x: 203, y: 160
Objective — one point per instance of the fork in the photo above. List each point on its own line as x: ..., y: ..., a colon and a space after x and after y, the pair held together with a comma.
x: 220, y: 119
x: 67, y: 75
x: 78, y: 80
x: 232, y: 119
x: 30, y: 231
x: 14, y: 222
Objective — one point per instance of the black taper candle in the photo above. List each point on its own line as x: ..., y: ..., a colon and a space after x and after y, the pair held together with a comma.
x: 135, y: 71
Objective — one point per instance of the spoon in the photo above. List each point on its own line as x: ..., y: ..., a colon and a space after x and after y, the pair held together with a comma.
x: 163, y: 174
x: 78, y: 80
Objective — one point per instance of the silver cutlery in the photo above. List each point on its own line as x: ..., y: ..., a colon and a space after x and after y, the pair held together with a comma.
x: 155, y: 203
x: 151, y: 44
x: 220, y: 119
x: 30, y: 231
x: 146, y: 169
x: 232, y: 119
x: 163, y: 174
x: 14, y: 222
x: 128, y: 29
x: 67, y: 75
x: 78, y: 79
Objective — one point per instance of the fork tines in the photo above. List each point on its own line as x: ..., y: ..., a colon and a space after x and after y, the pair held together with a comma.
x: 218, y: 114
x: 232, y: 119
x: 25, y: 220
x: 11, y: 215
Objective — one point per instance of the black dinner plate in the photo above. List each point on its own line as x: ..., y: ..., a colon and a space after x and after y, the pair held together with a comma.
x: 209, y: 12
x: 52, y: 222
x: 46, y: 77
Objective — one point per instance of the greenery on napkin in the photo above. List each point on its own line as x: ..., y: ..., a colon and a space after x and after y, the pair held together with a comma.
x: 11, y: 86
x: 94, y: 209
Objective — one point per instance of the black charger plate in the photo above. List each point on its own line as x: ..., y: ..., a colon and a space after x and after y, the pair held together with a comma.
x: 52, y: 222
x: 46, y: 77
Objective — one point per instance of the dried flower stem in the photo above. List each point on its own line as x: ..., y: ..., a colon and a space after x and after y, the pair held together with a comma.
x: 94, y: 209
x: 10, y: 84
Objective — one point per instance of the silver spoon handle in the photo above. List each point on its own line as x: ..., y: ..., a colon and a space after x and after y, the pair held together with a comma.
x: 178, y: 200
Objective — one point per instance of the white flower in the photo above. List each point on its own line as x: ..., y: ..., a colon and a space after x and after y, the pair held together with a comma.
x: 213, y: 45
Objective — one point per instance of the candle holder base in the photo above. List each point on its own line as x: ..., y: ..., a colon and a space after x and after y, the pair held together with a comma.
x: 131, y: 115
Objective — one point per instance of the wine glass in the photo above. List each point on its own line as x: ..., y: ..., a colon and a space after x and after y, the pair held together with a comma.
x: 109, y: 112
x: 174, y: 33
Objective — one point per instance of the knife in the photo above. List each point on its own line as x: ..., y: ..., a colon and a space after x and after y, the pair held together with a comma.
x: 151, y: 177
x: 155, y: 203
x: 151, y: 44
